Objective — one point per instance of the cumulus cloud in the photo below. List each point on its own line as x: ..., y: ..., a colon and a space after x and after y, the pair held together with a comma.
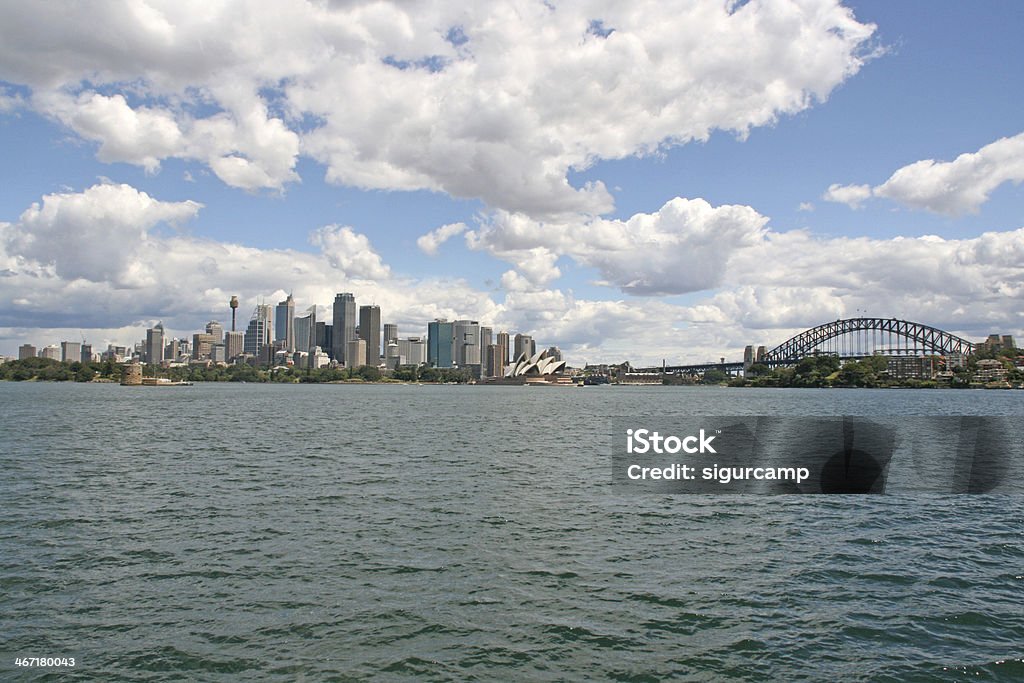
x: 947, y: 187
x: 958, y: 186
x: 853, y: 196
x: 683, y: 247
x: 497, y: 101
x: 95, y: 235
x: 432, y: 241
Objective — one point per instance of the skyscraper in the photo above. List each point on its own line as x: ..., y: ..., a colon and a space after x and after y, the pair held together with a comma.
x: 467, y: 342
x: 369, y: 331
x: 71, y: 352
x: 344, y: 328
x: 305, y: 330
x: 390, y: 333
x: 154, y: 348
x: 234, y: 343
x: 440, y: 340
x: 26, y: 351
x: 356, y: 349
x: 284, y: 325
x: 217, y: 330
x: 503, y: 344
x: 494, y: 365
x: 486, y: 339
x: 257, y: 334
x: 523, y: 345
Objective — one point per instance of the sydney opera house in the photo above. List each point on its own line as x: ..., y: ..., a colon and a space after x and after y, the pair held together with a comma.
x: 537, y: 370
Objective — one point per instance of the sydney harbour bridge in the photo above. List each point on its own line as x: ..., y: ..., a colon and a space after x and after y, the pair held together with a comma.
x: 848, y: 339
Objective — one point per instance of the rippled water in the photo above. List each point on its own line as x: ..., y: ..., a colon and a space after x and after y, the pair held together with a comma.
x: 289, y: 533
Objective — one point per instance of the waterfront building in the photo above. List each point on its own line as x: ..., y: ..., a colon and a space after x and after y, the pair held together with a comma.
x: 369, y: 331
x: 86, y: 353
x: 284, y: 331
x: 52, y: 352
x: 217, y: 330
x: 467, y: 342
x: 504, y: 346
x: 356, y: 349
x: 440, y: 343
x: 344, y: 327
x: 153, y: 351
x: 70, y: 352
x: 390, y: 333
x: 523, y: 346
x: 257, y: 334
x: 234, y: 343
x: 320, y: 358
x: 27, y: 351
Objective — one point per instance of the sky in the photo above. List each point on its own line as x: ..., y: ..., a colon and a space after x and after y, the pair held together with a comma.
x: 641, y: 181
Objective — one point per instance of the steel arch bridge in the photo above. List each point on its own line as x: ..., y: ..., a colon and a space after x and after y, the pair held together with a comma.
x: 856, y: 337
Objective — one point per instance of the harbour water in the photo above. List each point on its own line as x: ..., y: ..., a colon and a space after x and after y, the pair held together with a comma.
x: 332, y: 532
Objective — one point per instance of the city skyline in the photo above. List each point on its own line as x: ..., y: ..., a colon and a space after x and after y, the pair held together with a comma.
x: 653, y: 183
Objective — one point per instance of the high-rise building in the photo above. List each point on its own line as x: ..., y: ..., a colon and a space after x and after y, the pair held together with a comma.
x: 390, y: 333
x: 218, y: 353
x: 234, y: 343
x: 555, y: 352
x: 202, y: 345
x: 171, y: 349
x: 305, y: 331
x: 217, y: 330
x: 324, y: 337
x: 356, y: 349
x: 486, y: 339
x: 523, y: 345
x: 86, y: 353
x: 52, y: 352
x: 369, y: 331
x: 344, y: 327
x: 257, y: 334
x: 70, y: 352
x: 284, y: 330
x: 393, y: 356
x: 494, y: 367
x: 467, y: 342
x: 503, y: 343
x: 413, y: 350
x: 26, y: 351
x: 153, y: 351
x: 440, y: 343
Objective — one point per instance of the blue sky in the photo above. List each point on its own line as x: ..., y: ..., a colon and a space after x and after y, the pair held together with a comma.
x: 726, y: 128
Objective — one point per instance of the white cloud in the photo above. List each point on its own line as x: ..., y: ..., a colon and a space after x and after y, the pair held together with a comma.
x: 947, y: 187
x: 805, y: 206
x: 683, y: 247
x: 384, y: 97
x: 349, y: 252
x: 432, y: 241
x: 853, y: 196
x: 959, y: 186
